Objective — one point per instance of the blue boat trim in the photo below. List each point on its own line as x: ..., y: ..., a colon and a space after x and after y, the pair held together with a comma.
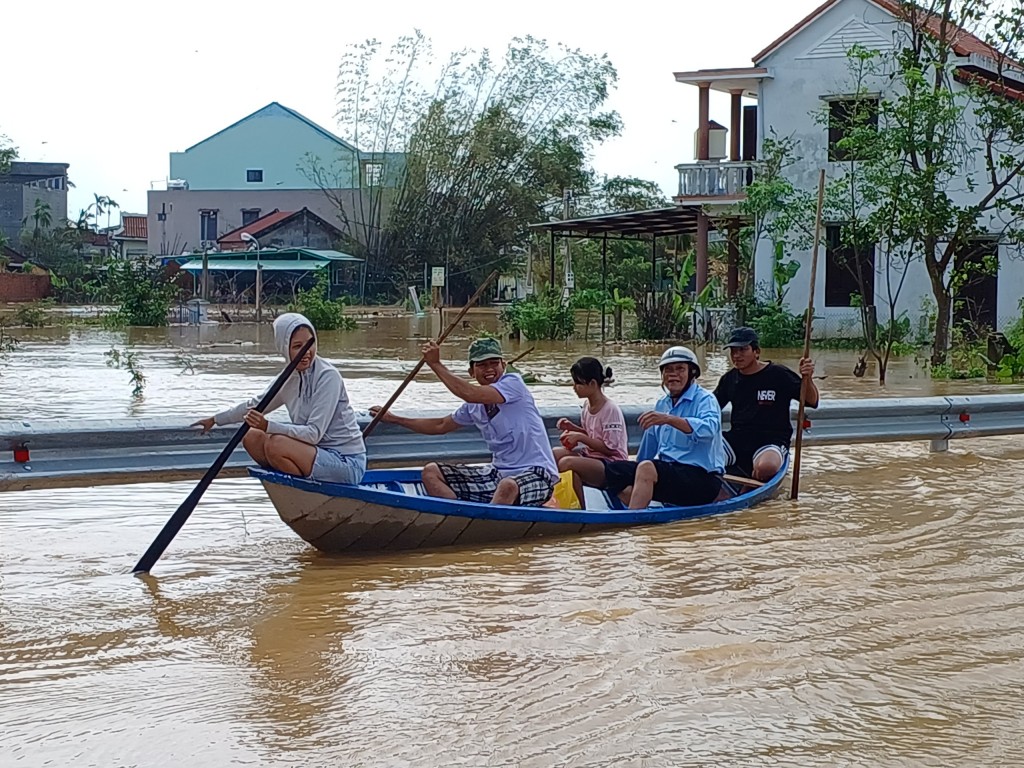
x: 401, y: 500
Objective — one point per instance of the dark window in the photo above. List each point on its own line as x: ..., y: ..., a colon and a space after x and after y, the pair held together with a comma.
x: 845, y: 115
x: 749, y: 133
x: 254, y: 175
x: 249, y: 215
x: 976, y: 281
x: 207, y: 225
x: 843, y: 264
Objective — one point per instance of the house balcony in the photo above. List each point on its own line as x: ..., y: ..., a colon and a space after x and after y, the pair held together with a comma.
x: 715, y: 181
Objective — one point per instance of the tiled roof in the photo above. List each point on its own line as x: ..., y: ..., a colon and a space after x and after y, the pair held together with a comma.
x: 134, y: 228
x: 254, y: 228
x: 15, y: 257
x: 966, y: 76
x: 962, y: 41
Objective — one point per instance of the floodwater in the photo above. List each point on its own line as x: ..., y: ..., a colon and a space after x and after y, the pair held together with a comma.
x: 878, y: 621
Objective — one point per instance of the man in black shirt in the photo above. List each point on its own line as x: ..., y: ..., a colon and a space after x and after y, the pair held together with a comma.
x: 760, y: 392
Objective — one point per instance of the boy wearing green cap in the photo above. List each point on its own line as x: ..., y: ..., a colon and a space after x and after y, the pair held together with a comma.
x: 523, y: 469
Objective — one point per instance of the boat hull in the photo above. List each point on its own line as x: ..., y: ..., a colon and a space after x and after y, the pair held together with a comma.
x: 335, y: 524
x: 388, y: 512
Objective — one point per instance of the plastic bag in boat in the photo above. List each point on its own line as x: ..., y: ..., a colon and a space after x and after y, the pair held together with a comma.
x: 564, y: 497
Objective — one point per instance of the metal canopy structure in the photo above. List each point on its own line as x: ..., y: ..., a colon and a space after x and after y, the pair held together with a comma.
x: 649, y: 224
x: 240, y: 265
x: 628, y: 225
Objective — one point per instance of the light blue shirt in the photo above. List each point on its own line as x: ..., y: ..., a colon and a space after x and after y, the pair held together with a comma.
x: 702, y: 447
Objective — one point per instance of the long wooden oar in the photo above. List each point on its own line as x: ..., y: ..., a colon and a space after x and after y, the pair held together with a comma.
x: 806, y: 380
x: 412, y: 374
x: 520, y: 356
x: 181, y: 514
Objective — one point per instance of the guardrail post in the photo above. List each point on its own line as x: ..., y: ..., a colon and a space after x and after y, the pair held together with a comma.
x: 938, y: 446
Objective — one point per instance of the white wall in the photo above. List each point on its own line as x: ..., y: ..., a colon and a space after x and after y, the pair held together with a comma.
x: 812, y: 65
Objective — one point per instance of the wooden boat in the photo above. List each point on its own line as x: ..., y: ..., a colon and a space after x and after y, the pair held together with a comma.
x: 389, y: 511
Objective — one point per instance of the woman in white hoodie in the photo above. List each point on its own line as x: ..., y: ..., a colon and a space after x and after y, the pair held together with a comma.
x: 323, y: 441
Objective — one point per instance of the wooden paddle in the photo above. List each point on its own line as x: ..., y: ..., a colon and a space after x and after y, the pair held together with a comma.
x: 412, y: 374
x: 805, y: 381
x: 181, y: 514
x: 743, y: 480
x: 520, y: 356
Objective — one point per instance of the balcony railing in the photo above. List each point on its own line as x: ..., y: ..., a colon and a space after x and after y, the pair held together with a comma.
x: 715, y: 179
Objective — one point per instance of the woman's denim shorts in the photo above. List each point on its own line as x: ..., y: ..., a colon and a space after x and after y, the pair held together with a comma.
x: 331, y: 466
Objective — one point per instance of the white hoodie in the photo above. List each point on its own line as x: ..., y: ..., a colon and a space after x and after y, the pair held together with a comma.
x: 316, y: 400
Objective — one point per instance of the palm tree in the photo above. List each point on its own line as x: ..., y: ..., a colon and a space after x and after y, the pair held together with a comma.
x: 103, y: 204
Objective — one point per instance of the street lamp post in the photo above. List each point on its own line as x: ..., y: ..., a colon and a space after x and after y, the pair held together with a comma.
x: 246, y: 237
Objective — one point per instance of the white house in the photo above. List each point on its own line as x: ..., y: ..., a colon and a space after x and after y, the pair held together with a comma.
x: 132, y: 236
x: 802, y: 74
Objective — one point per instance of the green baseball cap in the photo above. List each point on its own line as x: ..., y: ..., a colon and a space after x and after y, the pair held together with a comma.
x: 484, y: 349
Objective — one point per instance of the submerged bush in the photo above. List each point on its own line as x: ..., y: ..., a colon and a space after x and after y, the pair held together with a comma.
x: 540, y: 316
x: 325, y: 313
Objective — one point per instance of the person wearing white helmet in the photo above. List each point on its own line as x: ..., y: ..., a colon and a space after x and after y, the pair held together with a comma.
x: 681, y: 460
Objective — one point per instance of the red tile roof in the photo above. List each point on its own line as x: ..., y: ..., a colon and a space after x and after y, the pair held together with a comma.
x: 963, y: 42
x: 98, y: 239
x: 965, y: 76
x: 254, y: 228
x: 134, y: 228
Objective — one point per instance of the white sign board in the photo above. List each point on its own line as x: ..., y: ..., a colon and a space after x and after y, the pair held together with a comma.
x: 437, y: 277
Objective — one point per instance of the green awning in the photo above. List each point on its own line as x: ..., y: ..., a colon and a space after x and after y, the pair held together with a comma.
x: 249, y: 265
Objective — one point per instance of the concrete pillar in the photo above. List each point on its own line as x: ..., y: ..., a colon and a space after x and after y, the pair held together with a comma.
x: 735, y: 125
x: 732, y: 279
x: 702, y: 251
x: 703, y: 118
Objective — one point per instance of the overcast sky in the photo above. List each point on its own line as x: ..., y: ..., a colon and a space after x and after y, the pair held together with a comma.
x: 113, y: 87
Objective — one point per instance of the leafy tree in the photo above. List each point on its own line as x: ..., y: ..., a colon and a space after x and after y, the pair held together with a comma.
x: 855, y: 199
x: 628, y: 261
x: 778, y: 214
x: 944, y: 166
x: 8, y: 154
x: 480, y: 151
x: 102, y: 204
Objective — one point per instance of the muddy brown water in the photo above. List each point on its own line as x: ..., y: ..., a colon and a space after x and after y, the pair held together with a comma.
x: 877, y: 621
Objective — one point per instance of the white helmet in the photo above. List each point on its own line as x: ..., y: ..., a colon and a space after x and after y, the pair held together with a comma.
x: 679, y: 355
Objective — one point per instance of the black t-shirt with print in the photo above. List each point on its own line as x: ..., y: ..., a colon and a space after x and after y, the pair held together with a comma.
x: 760, y: 402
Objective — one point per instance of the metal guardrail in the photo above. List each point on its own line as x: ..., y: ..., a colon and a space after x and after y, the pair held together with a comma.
x: 66, y: 453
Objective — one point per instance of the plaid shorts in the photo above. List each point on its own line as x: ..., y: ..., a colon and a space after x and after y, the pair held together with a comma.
x: 478, y: 483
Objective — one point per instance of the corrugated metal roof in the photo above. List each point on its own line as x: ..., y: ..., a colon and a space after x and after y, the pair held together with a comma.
x: 676, y: 220
x: 331, y: 255
x: 246, y: 265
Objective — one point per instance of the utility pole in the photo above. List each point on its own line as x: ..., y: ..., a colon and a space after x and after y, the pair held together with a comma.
x: 569, y: 282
